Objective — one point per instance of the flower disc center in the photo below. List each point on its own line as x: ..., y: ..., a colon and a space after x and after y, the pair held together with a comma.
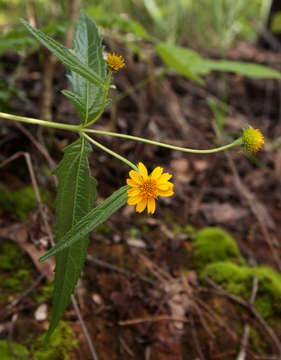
x: 148, y: 188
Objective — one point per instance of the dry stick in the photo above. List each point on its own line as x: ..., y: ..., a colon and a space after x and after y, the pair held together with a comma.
x: 35, y: 283
x: 41, y: 209
x: 247, y: 328
x: 74, y: 6
x: 42, y: 149
x: 249, y: 307
x: 152, y: 319
x: 196, y: 307
x: 250, y: 198
x: 117, y: 269
x: 195, y: 337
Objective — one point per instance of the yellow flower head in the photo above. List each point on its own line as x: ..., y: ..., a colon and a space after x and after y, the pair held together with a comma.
x: 253, y: 140
x: 145, y: 188
x: 115, y: 62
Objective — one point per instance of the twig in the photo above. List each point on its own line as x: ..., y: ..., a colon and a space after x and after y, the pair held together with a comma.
x: 114, y: 268
x: 252, y: 202
x: 84, y: 328
x: 195, y: 337
x: 42, y: 149
x: 249, y: 307
x: 152, y: 319
x: 126, y: 347
x: 247, y: 327
x: 35, y: 283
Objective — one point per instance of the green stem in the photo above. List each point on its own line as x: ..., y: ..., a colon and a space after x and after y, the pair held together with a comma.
x: 106, y: 89
x: 104, y: 148
x: 136, y: 138
x: 41, y: 122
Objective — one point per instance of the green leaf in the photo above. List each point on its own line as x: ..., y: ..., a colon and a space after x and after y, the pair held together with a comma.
x: 190, y: 64
x: 180, y: 59
x: 275, y: 25
x: 75, y: 197
x: 66, y: 56
x: 17, y: 40
x: 112, y: 21
x: 251, y: 70
x: 87, y: 97
x: 90, y: 221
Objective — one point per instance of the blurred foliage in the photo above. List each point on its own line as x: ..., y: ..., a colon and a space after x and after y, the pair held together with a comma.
x: 16, y: 271
x: 20, y: 202
x: 275, y: 25
x: 185, y: 21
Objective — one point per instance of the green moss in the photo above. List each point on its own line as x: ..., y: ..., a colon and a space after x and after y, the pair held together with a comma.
x: 15, y: 282
x: 15, y: 271
x: 10, y: 257
x: 238, y: 280
x: 213, y: 244
x: 13, y: 351
x: 20, y: 202
x: 104, y: 229
x: 257, y: 341
x: 59, y: 346
x: 44, y: 292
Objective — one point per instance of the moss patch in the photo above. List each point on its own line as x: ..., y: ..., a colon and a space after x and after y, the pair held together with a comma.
x: 20, y: 202
x: 238, y: 280
x: 59, y: 346
x: 212, y: 244
x: 16, y: 271
x: 13, y: 351
x: 44, y: 292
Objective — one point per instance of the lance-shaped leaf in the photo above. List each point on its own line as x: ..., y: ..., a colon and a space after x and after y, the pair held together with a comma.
x: 86, y: 96
x: 75, y: 197
x: 90, y: 221
x: 66, y: 56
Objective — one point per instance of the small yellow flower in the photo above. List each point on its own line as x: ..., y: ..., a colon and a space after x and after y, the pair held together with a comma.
x: 145, y: 188
x: 253, y: 140
x: 115, y: 62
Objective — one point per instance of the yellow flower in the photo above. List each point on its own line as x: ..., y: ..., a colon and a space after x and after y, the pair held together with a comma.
x: 145, y: 188
x: 252, y: 139
x: 115, y: 62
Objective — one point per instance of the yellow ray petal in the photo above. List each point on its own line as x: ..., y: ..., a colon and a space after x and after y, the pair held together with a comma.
x: 134, y: 200
x: 151, y: 206
x: 156, y: 173
x: 135, y: 176
x: 133, y: 192
x: 165, y: 186
x: 165, y: 193
x: 132, y: 183
x: 164, y: 177
x: 141, y: 205
x: 143, y: 170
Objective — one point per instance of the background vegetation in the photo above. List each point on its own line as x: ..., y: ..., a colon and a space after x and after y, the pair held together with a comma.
x: 202, y: 277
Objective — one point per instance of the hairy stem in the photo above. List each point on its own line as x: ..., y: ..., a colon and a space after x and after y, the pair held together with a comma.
x: 172, y: 147
x: 104, y: 148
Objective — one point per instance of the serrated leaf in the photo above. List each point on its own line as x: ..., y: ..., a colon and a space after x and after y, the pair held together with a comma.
x: 75, y: 197
x: 67, y: 57
x: 87, y: 97
x: 90, y: 221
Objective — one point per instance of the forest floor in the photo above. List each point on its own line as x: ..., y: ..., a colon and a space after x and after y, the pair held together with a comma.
x: 165, y: 287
